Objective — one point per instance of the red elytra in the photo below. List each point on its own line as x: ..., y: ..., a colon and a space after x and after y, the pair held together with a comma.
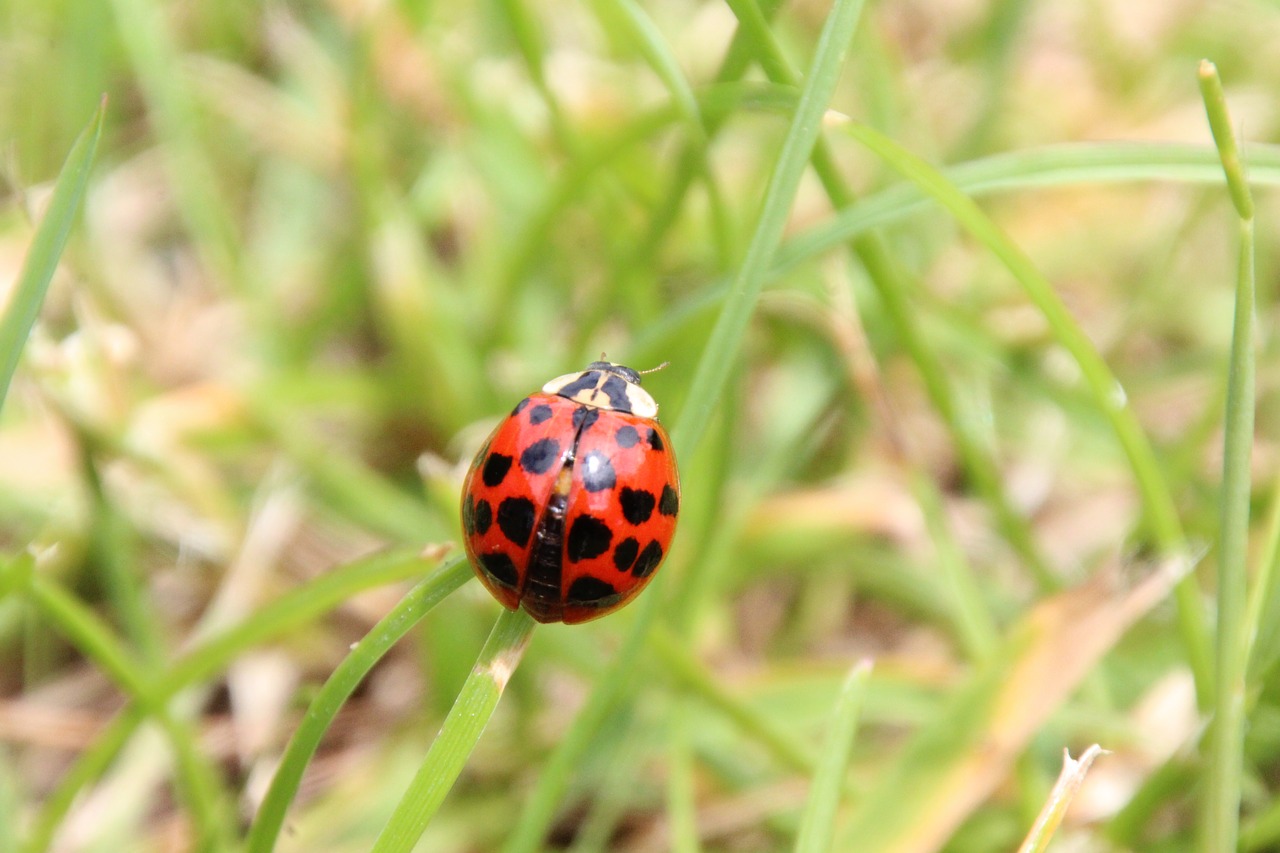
x: 570, y: 506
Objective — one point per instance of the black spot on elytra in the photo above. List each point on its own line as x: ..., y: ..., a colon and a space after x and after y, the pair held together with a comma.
x: 483, y: 517
x: 499, y: 568
x: 670, y: 502
x: 538, y: 457
x: 648, y: 560
x: 655, y: 440
x: 515, y: 518
x: 585, y: 382
x: 627, y: 436
x: 584, y: 417
x: 597, y: 472
x: 637, y: 504
x: 625, y: 553
x: 615, y: 388
x: 521, y: 406
x: 539, y: 413
x: 588, y: 537
x: 495, y: 469
x: 587, y: 590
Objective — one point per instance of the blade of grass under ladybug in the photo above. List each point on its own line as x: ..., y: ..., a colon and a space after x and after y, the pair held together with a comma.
x: 459, y: 734
x: 46, y: 248
x: 335, y: 692
x: 704, y: 393
x: 1221, y: 796
x: 817, y: 824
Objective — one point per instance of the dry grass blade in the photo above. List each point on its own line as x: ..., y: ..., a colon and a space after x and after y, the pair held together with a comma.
x: 953, y: 765
x: 1064, y: 791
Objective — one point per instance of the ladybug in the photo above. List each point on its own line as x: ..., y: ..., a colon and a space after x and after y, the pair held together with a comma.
x: 570, y: 506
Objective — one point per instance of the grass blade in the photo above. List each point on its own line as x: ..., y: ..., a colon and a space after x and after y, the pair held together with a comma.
x: 1055, y: 808
x: 459, y: 734
x: 722, y: 348
x: 337, y: 689
x: 1221, y: 827
x: 1107, y: 392
x: 817, y: 826
x: 46, y: 248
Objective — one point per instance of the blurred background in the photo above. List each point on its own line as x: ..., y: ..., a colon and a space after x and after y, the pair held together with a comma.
x: 326, y: 245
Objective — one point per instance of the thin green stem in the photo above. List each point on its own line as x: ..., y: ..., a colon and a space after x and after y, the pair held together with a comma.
x: 1221, y: 827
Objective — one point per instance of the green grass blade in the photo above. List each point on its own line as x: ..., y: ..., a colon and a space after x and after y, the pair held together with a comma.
x: 196, y: 778
x: 335, y: 692
x: 1221, y: 827
x: 720, y: 354
x: 46, y: 248
x: 1035, y: 168
x: 817, y: 825
x: 91, y: 764
x: 293, y: 610
x: 682, y: 800
x: 157, y: 63
x: 1107, y: 393
x: 459, y: 734
x: 679, y: 665
x: 656, y: 51
x: 93, y: 637
x: 891, y: 286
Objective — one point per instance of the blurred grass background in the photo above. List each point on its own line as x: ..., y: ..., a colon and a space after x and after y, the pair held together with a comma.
x: 326, y: 245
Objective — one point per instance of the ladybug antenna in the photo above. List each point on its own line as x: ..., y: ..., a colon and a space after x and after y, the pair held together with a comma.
x: 654, y: 369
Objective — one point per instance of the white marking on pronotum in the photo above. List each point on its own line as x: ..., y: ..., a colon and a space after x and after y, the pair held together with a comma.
x: 639, y: 401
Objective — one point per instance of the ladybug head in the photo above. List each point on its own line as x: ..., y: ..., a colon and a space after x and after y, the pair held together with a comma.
x: 632, y: 376
x: 605, y: 385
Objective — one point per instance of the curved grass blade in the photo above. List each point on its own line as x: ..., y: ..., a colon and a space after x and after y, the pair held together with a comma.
x: 335, y: 692
x: 1107, y: 392
x: 46, y: 248
x: 294, y: 609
